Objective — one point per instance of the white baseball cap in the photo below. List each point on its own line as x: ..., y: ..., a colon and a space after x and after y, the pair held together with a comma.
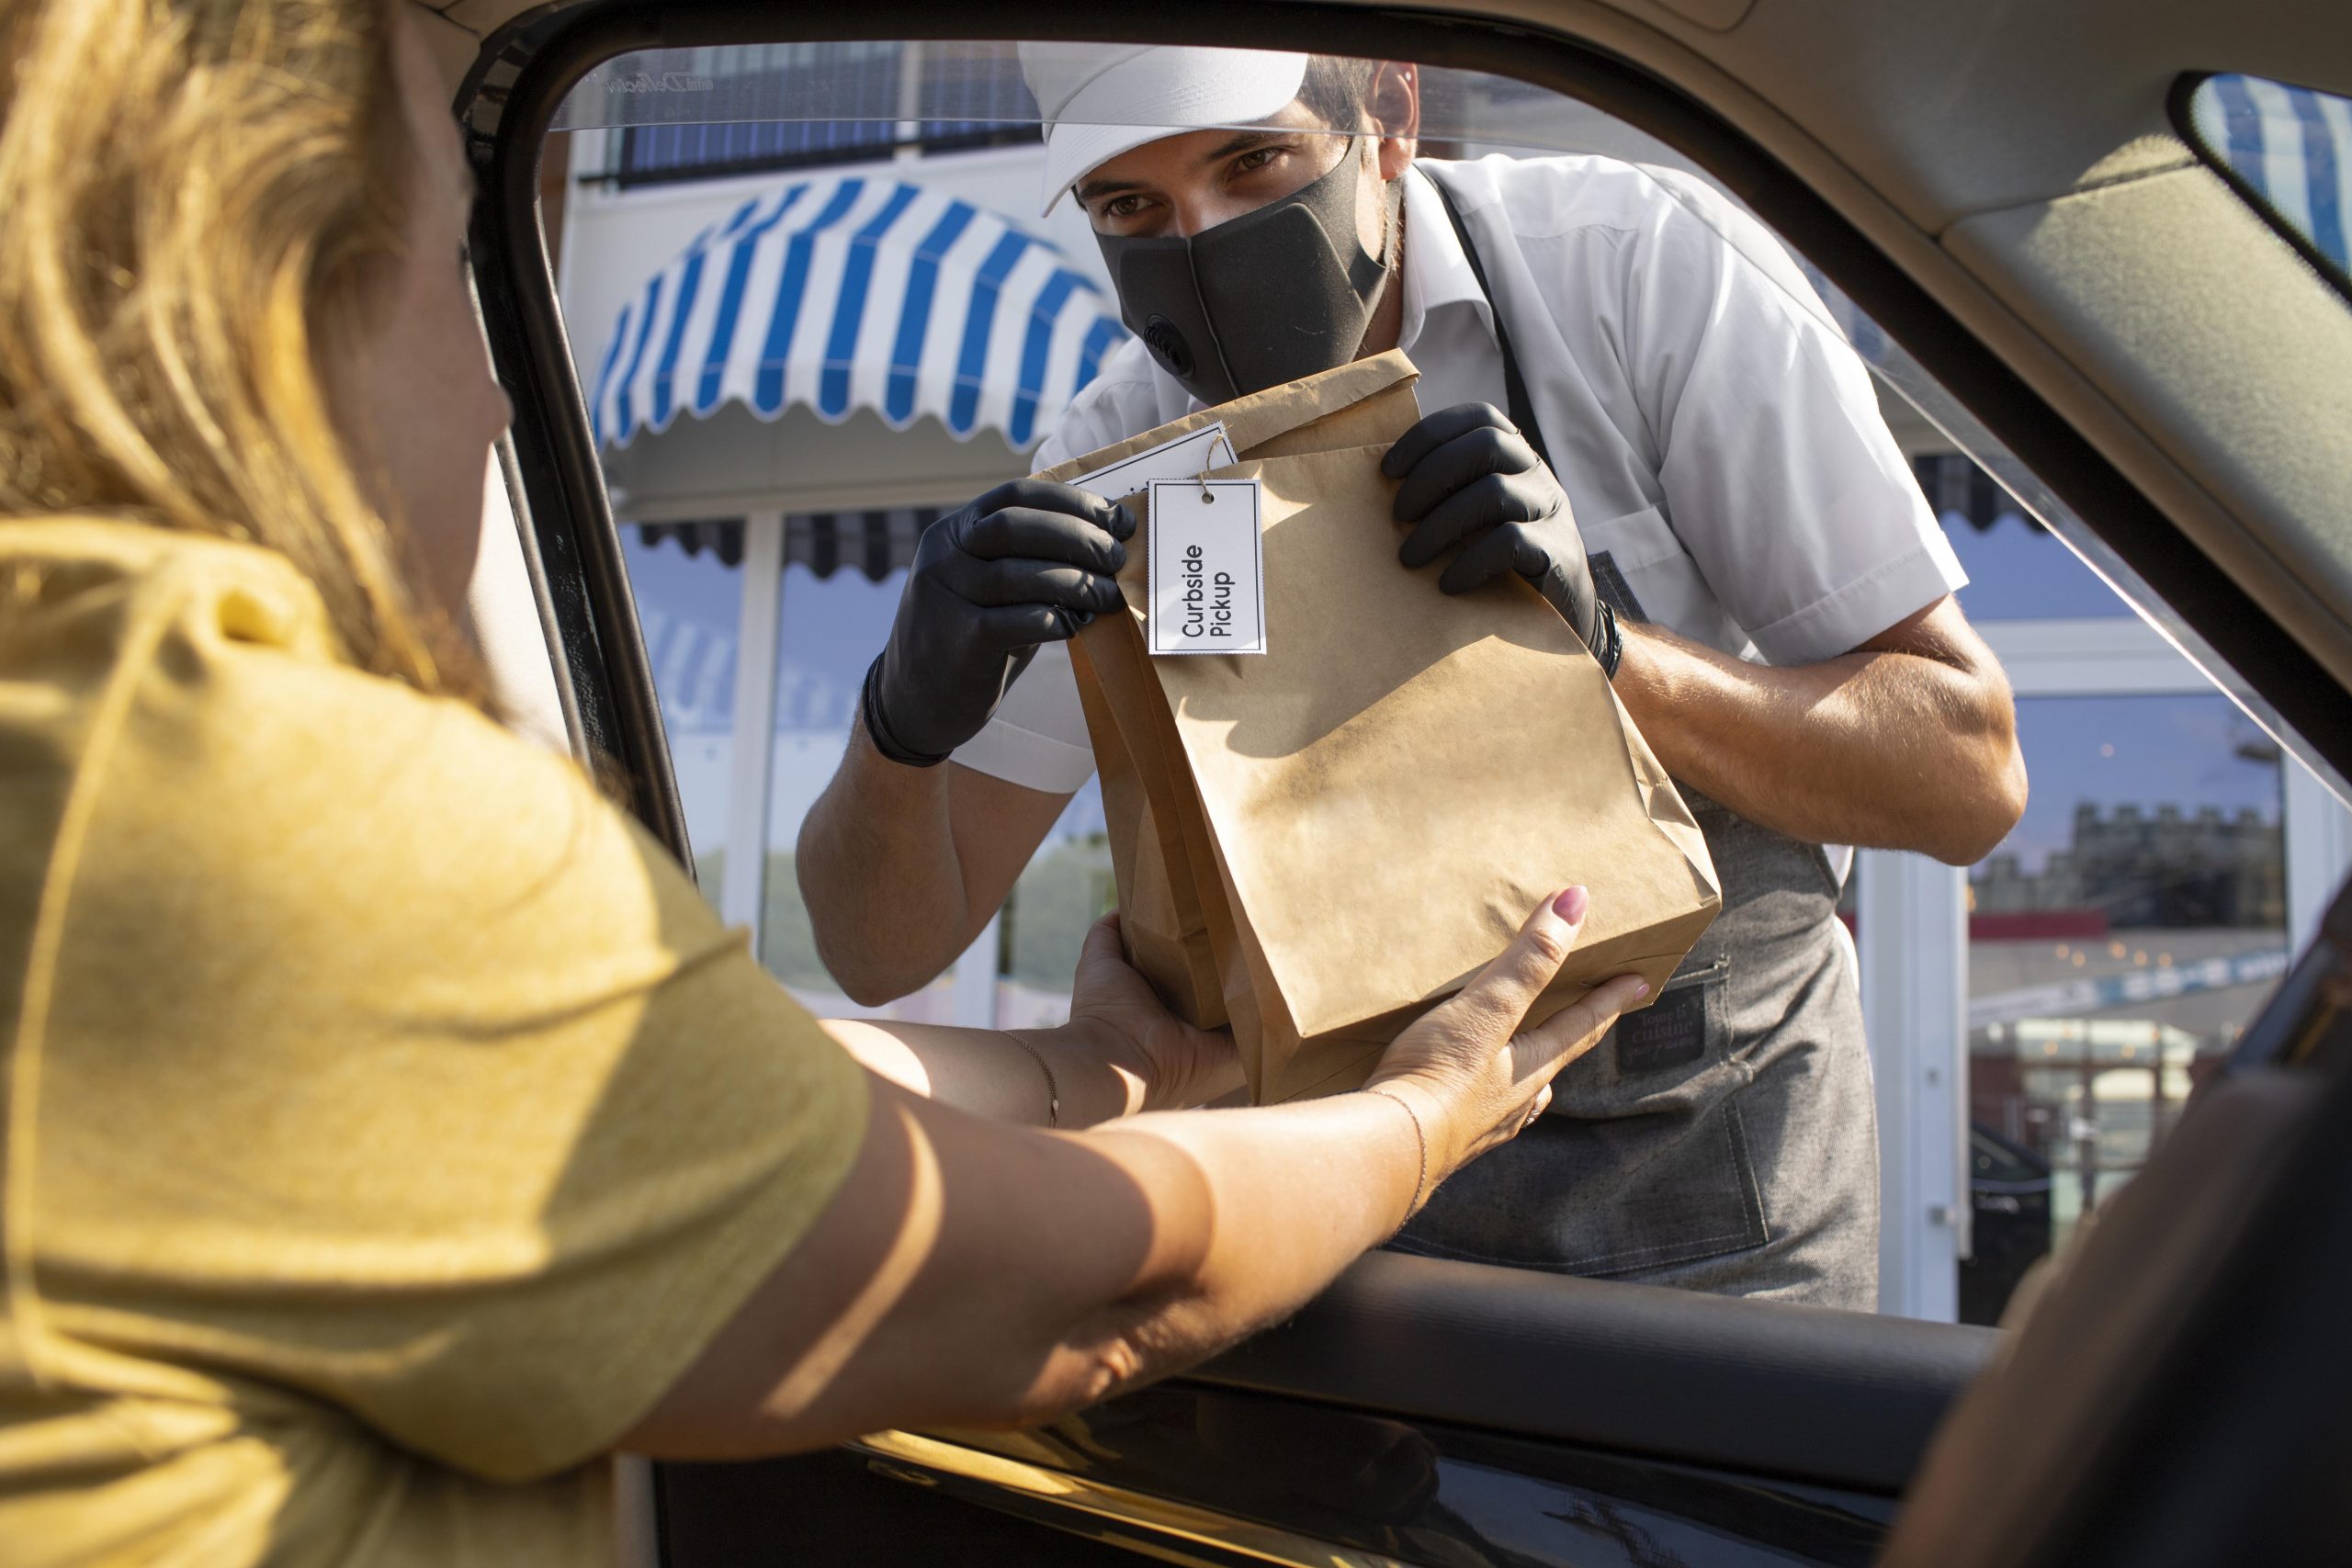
x: 1100, y: 101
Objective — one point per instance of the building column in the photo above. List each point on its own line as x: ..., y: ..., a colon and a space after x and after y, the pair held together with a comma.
x: 2319, y: 851
x: 1913, y: 948
x: 743, y: 894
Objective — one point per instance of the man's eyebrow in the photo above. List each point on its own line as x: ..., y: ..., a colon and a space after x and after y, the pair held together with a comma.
x: 1233, y: 146
x: 1245, y: 141
x: 1087, y: 190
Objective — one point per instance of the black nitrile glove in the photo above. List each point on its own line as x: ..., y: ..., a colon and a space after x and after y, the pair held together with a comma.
x: 1029, y: 562
x: 1470, y: 478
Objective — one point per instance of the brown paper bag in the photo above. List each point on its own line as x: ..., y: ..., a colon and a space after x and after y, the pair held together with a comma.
x: 1159, y: 871
x: 1267, y: 809
x: 1392, y: 786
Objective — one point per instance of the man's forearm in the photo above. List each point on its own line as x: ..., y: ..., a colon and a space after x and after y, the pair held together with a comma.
x: 1887, y: 748
x: 880, y: 874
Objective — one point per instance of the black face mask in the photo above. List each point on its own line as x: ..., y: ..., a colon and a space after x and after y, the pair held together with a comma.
x: 1263, y: 299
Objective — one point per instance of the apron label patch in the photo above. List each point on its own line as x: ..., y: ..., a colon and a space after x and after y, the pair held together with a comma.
x: 1207, y: 567
x: 1671, y: 1031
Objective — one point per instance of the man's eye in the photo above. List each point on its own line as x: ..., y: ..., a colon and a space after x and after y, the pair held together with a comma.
x: 1123, y: 207
x: 1255, y: 159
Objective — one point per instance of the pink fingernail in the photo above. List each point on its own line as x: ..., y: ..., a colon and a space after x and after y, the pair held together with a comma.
x: 1640, y: 989
x: 1571, y: 904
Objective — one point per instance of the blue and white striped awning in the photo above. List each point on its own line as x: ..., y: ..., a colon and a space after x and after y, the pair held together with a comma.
x: 2293, y: 146
x: 848, y: 292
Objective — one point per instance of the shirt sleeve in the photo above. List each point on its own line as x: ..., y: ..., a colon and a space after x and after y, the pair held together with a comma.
x: 409, y: 1074
x: 1781, y: 478
x: 1037, y: 736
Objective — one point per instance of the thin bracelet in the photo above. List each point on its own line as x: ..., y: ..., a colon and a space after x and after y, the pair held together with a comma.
x: 1420, y: 1143
x: 1053, y: 1090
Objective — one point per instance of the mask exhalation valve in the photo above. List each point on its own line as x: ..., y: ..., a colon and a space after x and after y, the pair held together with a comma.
x: 1168, y: 346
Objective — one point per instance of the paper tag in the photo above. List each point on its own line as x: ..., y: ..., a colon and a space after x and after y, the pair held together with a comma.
x: 1207, y: 567
x: 1188, y: 455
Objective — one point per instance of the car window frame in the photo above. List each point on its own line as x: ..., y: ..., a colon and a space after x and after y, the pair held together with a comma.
x: 507, y: 102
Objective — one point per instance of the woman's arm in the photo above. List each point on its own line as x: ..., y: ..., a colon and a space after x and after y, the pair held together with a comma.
x: 970, y: 1273
x: 1120, y: 1053
x: 1016, y: 1076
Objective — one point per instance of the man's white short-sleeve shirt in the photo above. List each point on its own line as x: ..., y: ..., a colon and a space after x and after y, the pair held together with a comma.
x: 1719, y: 440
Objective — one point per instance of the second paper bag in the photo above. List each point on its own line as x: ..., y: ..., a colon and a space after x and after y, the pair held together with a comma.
x: 1395, y: 782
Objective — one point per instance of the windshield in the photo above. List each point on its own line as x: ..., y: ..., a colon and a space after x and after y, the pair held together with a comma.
x: 823, y: 295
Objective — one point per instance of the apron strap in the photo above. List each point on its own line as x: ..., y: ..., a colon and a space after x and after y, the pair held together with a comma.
x: 1616, y: 594
x: 1521, y: 412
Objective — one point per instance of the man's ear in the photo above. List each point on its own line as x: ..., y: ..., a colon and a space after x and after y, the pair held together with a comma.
x: 1395, y: 105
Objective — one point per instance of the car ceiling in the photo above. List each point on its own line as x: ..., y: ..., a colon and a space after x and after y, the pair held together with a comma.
x: 2017, y: 159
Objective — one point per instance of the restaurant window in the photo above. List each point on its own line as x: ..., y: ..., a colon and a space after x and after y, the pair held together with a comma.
x: 2016, y: 569
x: 2124, y: 933
x: 689, y: 604
x: 839, y: 576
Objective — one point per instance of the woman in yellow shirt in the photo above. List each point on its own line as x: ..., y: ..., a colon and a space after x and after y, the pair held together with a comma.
x: 391, y: 1133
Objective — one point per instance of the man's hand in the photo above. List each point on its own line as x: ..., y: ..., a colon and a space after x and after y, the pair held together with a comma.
x: 1027, y: 563
x: 1470, y: 478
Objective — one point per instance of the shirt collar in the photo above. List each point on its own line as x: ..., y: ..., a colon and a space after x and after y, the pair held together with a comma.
x: 1437, y: 274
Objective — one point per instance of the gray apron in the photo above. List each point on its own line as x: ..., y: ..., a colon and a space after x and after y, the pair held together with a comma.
x: 1724, y: 1139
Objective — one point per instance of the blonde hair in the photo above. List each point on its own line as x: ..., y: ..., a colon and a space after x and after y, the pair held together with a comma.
x: 193, y: 191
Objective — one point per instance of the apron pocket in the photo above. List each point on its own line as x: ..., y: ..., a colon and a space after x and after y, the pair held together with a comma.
x: 1643, y: 1161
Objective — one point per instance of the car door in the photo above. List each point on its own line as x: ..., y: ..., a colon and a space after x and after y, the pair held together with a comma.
x: 1429, y: 1411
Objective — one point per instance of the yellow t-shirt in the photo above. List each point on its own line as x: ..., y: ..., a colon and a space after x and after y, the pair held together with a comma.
x: 389, y: 1122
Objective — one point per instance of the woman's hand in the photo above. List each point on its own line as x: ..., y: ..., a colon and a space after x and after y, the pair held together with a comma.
x: 1178, y: 1065
x: 1474, y: 1077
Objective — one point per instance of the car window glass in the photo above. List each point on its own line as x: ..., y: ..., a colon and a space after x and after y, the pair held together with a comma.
x: 2287, y: 149
x: 2123, y: 934
x: 2197, y: 845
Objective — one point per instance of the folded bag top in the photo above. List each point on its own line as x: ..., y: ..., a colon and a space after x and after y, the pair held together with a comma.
x: 1280, y: 419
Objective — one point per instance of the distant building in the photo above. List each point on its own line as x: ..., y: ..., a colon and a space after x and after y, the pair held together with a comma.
x: 2168, y: 869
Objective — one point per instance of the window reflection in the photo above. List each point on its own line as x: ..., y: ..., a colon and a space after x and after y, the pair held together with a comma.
x: 834, y: 617
x: 2016, y: 569
x: 2124, y: 933
x: 831, y: 625
x: 689, y: 602
x: 1066, y: 887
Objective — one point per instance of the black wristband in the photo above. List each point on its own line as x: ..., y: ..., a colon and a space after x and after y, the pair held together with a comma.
x: 1608, y: 642
x: 870, y: 710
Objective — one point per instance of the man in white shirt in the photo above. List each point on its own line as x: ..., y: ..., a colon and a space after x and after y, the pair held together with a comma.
x: 1639, y: 405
